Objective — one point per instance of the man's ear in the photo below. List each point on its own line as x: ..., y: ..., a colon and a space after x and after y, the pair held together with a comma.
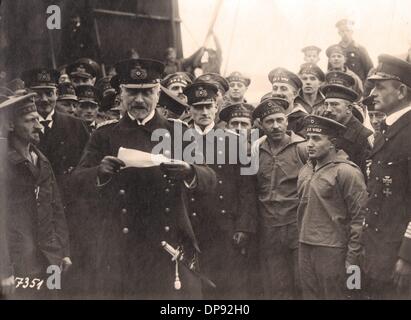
x: 350, y: 106
x: 334, y: 143
x: 403, y: 91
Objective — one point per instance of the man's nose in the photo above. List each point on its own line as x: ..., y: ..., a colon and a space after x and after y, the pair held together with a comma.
x: 328, y: 108
x: 138, y: 97
x: 373, y: 92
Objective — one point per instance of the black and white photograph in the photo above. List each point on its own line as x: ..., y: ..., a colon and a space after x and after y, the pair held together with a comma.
x: 213, y: 151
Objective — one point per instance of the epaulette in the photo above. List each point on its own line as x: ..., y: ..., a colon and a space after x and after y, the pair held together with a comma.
x: 178, y: 121
x: 104, y: 123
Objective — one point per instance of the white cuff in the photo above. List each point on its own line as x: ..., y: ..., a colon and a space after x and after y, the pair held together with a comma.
x: 192, y: 184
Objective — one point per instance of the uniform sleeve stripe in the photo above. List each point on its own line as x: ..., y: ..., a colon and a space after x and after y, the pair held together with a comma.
x: 407, y: 235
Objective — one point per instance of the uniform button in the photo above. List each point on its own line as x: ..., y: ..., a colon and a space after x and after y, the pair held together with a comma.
x: 219, y: 166
x: 61, y: 142
x: 375, y: 195
x: 194, y: 214
x: 378, y: 162
x: 220, y: 152
x: 164, y: 176
x: 38, y: 204
x: 167, y: 209
x: 376, y: 178
x: 221, y: 139
x: 124, y: 210
x: 366, y: 225
x: 386, y: 139
x: 376, y: 213
x: 166, y: 190
x: 167, y: 228
x: 122, y: 192
x: 125, y: 230
x: 221, y: 197
x: 192, y: 199
x: 376, y: 229
x: 167, y: 135
x: 220, y: 181
x: 223, y: 211
x: 367, y: 209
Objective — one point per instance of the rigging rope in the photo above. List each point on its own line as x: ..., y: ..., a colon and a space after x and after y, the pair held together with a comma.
x: 232, y: 37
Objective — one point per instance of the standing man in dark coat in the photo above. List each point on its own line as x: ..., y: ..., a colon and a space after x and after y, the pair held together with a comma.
x: 225, y: 220
x: 338, y: 106
x: 357, y: 56
x: 144, y: 208
x: 387, y: 227
x: 37, y: 234
x: 63, y: 137
x: 62, y: 141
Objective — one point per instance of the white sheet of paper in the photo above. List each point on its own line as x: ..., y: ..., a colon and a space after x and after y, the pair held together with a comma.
x: 140, y: 159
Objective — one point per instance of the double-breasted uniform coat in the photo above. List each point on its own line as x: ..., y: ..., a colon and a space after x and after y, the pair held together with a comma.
x: 386, y: 235
x: 142, y: 208
x: 230, y: 208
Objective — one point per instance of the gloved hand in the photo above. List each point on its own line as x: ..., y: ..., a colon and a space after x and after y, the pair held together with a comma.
x: 109, y: 166
x: 178, y: 170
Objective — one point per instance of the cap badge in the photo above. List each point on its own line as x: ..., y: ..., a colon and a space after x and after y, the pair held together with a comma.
x: 89, y: 94
x: 201, y: 92
x: 81, y: 69
x: 138, y: 73
x: 44, y: 76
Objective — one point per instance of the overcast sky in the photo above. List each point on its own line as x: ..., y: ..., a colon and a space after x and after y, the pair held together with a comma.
x: 270, y: 33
